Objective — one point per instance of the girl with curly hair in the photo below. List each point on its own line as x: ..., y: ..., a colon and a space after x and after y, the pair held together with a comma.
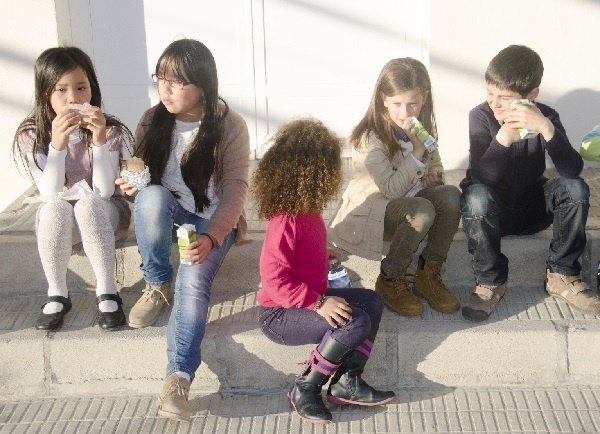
x: 294, y: 181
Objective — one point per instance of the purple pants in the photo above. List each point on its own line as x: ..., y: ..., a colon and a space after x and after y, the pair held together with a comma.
x: 301, y: 326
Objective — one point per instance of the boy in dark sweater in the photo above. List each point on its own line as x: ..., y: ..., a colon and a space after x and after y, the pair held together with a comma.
x: 505, y: 191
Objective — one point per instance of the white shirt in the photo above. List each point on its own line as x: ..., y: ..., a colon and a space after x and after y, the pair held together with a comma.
x: 184, y: 135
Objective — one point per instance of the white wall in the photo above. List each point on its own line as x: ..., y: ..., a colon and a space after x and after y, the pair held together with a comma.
x: 281, y: 58
x: 467, y: 34
x: 26, y: 29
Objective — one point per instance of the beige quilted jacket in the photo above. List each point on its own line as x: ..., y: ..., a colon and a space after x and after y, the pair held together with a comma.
x: 357, y: 226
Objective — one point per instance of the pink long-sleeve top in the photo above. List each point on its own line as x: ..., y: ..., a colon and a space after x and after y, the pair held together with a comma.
x: 293, y: 261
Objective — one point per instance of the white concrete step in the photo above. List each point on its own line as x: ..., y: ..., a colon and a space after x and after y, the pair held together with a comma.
x: 530, y: 339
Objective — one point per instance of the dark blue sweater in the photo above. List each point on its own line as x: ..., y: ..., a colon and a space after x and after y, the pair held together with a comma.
x: 513, y: 171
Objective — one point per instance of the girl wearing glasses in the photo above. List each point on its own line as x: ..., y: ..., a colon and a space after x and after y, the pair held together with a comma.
x: 196, y: 149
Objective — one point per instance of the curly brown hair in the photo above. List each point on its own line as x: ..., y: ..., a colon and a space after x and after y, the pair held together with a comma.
x: 301, y: 171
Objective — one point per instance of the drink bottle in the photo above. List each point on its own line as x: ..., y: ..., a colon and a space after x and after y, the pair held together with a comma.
x: 337, y: 276
x: 424, y: 136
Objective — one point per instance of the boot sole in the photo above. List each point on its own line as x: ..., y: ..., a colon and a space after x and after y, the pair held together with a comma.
x: 401, y: 312
x: 138, y: 326
x: 317, y: 421
x: 451, y: 309
x: 560, y: 297
x: 173, y: 416
x: 169, y: 415
x: 475, y: 315
x: 141, y: 326
x: 341, y: 401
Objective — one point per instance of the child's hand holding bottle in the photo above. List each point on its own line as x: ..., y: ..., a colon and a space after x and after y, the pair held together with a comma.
x: 409, y: 129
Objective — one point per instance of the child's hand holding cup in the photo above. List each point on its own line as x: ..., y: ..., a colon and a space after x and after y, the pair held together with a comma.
x: 136, y: 173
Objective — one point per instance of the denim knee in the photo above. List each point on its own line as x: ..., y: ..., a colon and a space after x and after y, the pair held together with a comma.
x: 478, y: 200
x: 152, y: 197
x: 573, y: 191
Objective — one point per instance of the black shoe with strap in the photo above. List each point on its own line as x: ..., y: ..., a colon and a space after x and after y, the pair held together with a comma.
x: 111, y: 321
x: 52, y: 321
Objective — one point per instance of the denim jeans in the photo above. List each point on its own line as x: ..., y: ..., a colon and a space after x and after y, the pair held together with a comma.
x: 155, y: 212
x: 301, y: 326
x: 487, y: 217
x: 433, y: 212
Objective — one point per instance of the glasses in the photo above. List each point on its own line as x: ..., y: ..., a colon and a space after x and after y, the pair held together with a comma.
x: 175, y: 84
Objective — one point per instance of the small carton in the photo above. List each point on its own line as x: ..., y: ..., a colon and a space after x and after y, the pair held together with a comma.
x: 424, y: 136
x: 523, y: 132
x: 186, y: 234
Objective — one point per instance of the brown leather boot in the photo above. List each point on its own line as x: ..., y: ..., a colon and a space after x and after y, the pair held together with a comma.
x: 397, y: 296
x: 429, y: 285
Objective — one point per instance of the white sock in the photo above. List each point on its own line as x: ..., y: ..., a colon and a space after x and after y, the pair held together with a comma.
x: 108, y: 306
x: 53, y: 307
x: 183, y: 375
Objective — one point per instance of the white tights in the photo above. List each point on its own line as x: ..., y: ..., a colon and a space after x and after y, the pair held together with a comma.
x: 60, y: 226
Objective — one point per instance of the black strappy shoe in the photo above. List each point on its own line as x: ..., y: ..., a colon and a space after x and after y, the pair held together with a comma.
x: 111, y: 321
x: 52, y: 321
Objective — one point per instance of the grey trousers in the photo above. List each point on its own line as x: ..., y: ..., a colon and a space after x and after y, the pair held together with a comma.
x: 433, y: 212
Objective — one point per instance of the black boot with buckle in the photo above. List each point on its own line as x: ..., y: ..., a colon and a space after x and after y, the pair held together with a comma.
x: 347, y: 385
x: 305, y: 396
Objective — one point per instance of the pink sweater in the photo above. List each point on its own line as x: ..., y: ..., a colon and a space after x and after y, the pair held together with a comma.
x: 293, y: 261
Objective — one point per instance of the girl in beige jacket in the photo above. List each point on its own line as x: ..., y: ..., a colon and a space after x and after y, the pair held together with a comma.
x: 397, y: 192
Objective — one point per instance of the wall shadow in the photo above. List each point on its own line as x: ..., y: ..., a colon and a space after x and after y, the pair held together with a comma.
x: 581, y: 108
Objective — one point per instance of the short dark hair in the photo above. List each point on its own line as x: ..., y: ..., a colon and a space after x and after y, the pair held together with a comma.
x: 517, y: 68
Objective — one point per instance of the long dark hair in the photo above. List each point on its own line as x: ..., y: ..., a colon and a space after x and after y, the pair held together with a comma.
x: 50, y: 66
x: 397, y: 76
x: 190, y: 61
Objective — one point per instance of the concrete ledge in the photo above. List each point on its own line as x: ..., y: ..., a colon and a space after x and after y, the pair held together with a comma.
x: 529, y: 339
x: 239, y: 358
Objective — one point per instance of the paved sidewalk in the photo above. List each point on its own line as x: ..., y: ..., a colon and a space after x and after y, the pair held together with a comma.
x: 418, y: 410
